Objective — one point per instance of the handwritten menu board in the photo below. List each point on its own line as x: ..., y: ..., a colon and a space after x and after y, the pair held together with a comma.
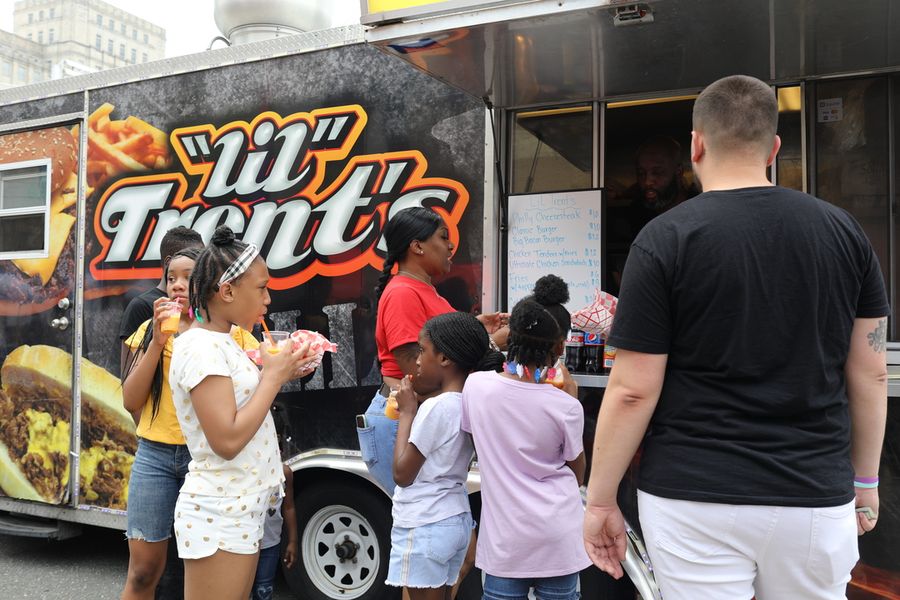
x: 555, y: 233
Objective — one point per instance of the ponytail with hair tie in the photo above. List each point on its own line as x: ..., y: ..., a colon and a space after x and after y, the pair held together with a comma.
x: 405, y: 227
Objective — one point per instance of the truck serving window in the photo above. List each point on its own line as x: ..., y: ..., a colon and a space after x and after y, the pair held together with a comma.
x: 24, y: 209
x: 552, y: 149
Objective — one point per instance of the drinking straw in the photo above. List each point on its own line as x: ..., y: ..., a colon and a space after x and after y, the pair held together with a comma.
x: 266, y: 328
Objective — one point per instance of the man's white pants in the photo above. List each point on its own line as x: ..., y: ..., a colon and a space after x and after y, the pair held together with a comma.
x: 703, y: 551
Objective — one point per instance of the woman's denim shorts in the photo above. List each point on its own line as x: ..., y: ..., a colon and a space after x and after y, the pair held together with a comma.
x: 156, y: 476
x: 376, y: 442
x: 429, y: 556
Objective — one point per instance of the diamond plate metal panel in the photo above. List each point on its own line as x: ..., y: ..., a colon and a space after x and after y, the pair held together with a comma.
x: 294, y: 44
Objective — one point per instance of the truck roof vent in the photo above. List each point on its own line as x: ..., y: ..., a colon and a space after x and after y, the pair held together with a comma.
x: 244, y: 21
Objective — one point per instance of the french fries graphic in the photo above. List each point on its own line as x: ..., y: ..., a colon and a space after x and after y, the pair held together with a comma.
x: 116, y: 146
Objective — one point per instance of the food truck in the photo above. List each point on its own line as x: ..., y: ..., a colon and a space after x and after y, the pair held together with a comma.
x: 519, y: 122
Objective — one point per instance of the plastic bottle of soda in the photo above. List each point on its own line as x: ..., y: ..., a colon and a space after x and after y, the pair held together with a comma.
x: 593, y: 354
x: 609, y: 358
x: 575, y: 351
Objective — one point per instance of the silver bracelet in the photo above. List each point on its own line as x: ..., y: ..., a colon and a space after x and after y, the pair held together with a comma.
x: 493, y: 344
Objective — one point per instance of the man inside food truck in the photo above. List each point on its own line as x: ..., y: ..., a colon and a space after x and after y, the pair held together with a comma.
x: 751, y: 334
x: 660, y: 182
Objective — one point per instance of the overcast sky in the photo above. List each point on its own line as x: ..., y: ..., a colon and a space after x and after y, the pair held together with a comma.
x: 189, y: 24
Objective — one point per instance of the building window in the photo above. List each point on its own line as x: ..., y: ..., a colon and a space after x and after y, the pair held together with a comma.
x: 40, y: 37
x: 23, y: 73
x: 146, y: 39
x: 100, y: 20
x: 29, y: 37
x: 30, y: 18
x: 109, y: 46
x: 144, y: 57
x: 124, y: 29
x: 24, y: 209
x: 52, y: 13
x: 40, y: 15
x: 98, y: 42
x: 133, y: 55
x: 51, y: 36
x: 122, y: 51
x: 7, y: 68
x: 112, y: 25
x: 134, y: 34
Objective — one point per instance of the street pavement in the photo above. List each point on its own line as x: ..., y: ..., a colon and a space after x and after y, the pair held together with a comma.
x: 91, y: 566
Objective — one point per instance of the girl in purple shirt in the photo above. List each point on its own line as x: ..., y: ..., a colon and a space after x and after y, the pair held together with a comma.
x: 528, y: 436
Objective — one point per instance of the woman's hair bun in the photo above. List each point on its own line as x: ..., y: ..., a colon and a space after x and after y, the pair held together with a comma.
x: 223, y: 236
x: 551, y: 289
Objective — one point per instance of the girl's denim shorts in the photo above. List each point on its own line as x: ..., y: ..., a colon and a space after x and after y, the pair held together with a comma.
x: 156, y: 476
x: 429, y: 556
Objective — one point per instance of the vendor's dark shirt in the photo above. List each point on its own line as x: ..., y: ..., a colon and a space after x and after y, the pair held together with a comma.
x: 138, y: 310
x: 752, y: 293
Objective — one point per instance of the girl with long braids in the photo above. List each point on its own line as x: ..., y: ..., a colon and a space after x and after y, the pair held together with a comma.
x: 222, y: 400
x: 418, y: 244
x: 531, y: 457
x: 432, y: 520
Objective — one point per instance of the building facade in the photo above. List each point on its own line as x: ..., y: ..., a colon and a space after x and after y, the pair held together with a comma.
x: 58, y: 38
x: 21, y: 61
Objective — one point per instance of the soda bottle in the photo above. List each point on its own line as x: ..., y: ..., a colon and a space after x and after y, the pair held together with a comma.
x: 575, y: 351
x: 593, y: 354
x: 609, y: 357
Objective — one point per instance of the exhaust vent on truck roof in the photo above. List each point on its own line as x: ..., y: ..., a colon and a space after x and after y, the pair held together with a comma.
x: 243, y: 21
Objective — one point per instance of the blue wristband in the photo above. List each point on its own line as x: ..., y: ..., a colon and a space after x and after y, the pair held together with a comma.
x: 865, y: 486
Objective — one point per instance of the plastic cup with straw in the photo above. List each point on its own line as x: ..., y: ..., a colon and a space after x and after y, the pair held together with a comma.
x: 275, y: 337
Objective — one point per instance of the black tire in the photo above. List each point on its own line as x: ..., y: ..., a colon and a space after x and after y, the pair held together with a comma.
x: 338, y: 512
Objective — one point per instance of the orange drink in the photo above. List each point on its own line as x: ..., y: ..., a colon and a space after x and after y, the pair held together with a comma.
x: 392, y: 408
x: 277, y: 339
x: 169, y: 325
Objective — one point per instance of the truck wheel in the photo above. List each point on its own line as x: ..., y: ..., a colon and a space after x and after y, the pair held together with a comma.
x: 344, y: 540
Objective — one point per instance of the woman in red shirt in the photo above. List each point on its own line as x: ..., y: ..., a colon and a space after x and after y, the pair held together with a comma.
x: 418, y: 242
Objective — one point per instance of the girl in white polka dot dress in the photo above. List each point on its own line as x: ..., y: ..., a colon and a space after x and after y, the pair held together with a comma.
x: 222, y: 401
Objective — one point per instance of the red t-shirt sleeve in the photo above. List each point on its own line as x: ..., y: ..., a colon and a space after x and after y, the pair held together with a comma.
x: 403, y: 316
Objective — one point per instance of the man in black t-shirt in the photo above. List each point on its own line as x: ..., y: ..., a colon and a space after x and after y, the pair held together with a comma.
x: 751, y: 331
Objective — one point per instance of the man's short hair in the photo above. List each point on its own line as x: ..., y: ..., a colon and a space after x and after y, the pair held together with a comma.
x: 178, y: 238
x: 737, y: 115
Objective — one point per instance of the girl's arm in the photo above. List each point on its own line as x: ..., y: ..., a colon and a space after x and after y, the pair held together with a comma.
x: 137, y: 383
x: 578, y: 466
x: 229, y: 428
x: 407, y: 458
x: 289, y: 512
x: 406, y: 356
x: 136, y: 387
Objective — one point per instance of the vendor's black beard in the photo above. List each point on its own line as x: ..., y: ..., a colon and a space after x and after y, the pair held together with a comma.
x: 664, y: 197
